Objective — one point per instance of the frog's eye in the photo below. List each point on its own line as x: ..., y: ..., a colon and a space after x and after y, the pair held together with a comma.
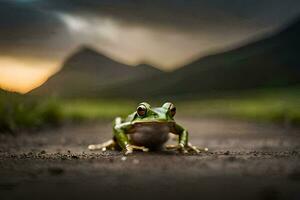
x: 141, y: 110
x: 172, y: 110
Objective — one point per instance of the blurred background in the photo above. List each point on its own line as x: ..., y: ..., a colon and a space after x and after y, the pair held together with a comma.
x: 69, y: 67
x: 64, y: 61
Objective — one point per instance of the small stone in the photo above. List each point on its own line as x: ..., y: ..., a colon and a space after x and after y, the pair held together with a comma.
x: 43, y: 152
x: 75, y: 157
x: 227, y: 153
x: 124, y: 158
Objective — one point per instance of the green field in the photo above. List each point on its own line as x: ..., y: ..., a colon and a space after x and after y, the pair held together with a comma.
x: 80, y: 109
x: 275, y: 105
x: 19, y: 112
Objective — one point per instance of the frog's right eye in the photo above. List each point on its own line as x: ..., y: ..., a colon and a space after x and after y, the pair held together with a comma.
x: 141, y: 110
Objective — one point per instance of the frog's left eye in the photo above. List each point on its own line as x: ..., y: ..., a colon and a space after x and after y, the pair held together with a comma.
x: 141, y: 110
x: 172, y: 110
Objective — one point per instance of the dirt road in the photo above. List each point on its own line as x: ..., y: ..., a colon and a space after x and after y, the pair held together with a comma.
x: 245, y: 161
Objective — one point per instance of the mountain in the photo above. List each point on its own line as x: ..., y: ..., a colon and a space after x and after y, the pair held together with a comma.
x: 86, y: 73
x: 269, y: 62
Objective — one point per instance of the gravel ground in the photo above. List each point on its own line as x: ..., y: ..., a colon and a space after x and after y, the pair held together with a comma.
x: 245, y: 161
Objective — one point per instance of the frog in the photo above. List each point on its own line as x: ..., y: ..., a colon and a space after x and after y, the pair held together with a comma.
x: 148, y: 129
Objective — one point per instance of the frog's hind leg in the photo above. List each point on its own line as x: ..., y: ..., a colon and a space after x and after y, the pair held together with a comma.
x: 108, y: 145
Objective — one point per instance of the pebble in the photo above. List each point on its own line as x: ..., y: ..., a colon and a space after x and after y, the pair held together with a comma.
x: 124, y: 158
x: 75, y: 157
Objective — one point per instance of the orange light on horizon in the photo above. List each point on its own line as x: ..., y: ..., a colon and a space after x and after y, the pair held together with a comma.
x: 23, y: 76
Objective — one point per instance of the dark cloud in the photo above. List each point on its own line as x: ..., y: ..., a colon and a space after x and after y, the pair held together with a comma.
x: 34, y: 28
x: 25, y: 31
x: 192, y: 14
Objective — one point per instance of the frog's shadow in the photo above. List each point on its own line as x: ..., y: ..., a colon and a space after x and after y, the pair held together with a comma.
x: 153, y: 152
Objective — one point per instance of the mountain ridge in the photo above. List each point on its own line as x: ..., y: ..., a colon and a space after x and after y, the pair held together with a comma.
x: 268, y: 62
x: 86, y: 72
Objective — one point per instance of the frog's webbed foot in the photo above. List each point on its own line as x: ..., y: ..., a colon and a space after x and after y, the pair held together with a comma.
x: 130, y: 148
x: 109, y: 145
x: 186, y: 149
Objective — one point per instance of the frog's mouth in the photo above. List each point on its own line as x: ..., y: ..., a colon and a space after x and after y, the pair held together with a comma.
x: 154, y: 122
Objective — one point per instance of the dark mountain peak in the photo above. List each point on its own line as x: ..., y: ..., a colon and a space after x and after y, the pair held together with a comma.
x: 86, y: 72
x: 89, y: 59
x: 86, y: 52
x: 147, y: 67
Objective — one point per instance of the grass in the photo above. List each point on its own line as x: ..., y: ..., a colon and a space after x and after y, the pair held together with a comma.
x: 80, y: 110
x: 18, y: 112
x: 272, y: 105
x: 276, y: 105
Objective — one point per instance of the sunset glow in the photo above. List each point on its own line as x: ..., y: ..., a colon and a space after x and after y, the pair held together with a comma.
x: 23, y: 76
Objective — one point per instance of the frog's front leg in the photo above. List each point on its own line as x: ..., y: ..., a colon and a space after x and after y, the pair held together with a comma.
x: 183, y: 142
x: 120, y: 133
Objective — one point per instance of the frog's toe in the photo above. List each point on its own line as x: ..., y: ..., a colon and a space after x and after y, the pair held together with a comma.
x: 131, y: 148
x: 128, y: 151
x: 185, y: 151
x: 110, y: 144
x: 193, y: 148
x: 171, y: 146
x: 145, y: 149
x: 196, y: 149
x: 142, y: 148
x: 92, y: 147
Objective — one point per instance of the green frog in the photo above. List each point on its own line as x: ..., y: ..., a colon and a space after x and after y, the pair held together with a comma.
x: 148, y: 129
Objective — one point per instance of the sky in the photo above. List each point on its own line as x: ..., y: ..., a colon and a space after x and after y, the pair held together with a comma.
x: 36, y: 36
